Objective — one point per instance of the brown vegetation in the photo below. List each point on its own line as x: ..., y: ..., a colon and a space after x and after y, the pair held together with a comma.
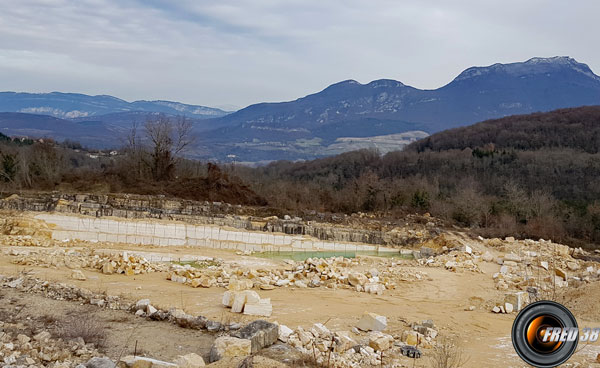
x: 448, y: 353
x: 150, y: 162
x: 86, y: 326
x: 526, y: 176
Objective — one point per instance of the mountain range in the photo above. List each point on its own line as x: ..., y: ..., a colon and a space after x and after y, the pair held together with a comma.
x: 321, y: 124
x: 76, y: 105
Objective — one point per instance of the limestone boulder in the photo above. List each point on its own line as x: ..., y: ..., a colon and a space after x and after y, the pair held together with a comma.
x: 511, y: 257
x: 143, y: 362
x: 98, y: 362
x: 508, y: 308
x: 357, y: 278
x: 343, y: 341
x: 108, y: 268
x: 228, y: 298
x: 284, y: 333
x: 380, y: 341
x: 372, y: 322
x: 260, y: 333
x: 560, y: 273
x: 78, y: 275
x: 191, y: 360
x: 240, y: 285
x: 142, y: 304
x: 262, y: 308
x: 374, y: 288
x: 519, y: 299
x: 243, y: 297
x: 411, y: 337
x: 229, y: 346
x: 488, y: 257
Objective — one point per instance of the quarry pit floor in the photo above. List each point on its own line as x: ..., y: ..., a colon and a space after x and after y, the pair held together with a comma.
x: 443, y: 297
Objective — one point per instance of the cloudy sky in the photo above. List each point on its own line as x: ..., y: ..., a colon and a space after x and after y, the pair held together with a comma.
x: 225, y: 52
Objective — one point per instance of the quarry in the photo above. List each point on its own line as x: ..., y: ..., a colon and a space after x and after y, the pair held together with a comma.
x: 145, y: 281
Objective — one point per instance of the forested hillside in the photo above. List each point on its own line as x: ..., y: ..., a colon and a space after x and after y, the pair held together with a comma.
x: 535, y: 175
x: 531, y: 175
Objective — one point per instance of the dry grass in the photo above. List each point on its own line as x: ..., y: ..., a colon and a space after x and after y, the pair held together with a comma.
x: 48, y: 319
x: 306, y: 361
x: 228, y: 317
x: 448, y: 353
x: 121, y: 318
x: 82, y: 324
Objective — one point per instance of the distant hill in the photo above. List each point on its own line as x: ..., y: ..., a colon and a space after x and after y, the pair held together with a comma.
x: 75, y: 106
x: 533, y: 176
x: 382, y: 107
x: 313, y: 126
x: 92, y: 134
x: 575, y: 128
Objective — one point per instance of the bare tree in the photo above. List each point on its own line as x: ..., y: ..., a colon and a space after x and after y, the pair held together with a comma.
x: 135, y: 152
x: 168, y: 140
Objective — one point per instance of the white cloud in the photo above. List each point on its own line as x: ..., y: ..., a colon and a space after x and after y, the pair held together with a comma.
x: 246, y: 51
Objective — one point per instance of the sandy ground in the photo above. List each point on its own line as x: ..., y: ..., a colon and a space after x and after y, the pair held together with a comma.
x: 125, y: 333
x: 486, y: 337
x: 443, y: 298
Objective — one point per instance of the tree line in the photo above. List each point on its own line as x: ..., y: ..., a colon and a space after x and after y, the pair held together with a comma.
x: 150, y: 161
x: 529, y: 176
x: 526, y: 176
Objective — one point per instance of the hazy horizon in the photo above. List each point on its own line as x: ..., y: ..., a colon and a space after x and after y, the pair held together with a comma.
x: 244, y: 52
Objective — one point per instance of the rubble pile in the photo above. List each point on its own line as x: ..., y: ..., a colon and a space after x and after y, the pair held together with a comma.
x: 207, y: 273
x: 20, y: 347
x: 26, y: 241
x: 14, y: 226
x: 335, y: 272
x: 366, y: 345
x: 142, y: 308
x: 122, y: 263
x: 455, y: 260
x: 61, y: 291
x: 540, y: 267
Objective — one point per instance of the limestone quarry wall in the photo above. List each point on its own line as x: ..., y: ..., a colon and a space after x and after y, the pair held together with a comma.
x: 199, y: 213
x: 181, y: 234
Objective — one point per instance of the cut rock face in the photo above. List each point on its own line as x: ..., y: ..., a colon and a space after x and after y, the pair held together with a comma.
x: 248, y: 302
x: 243, y: 297
x: 228, y: 297
x: 263, y: 308
x: 372, y: 322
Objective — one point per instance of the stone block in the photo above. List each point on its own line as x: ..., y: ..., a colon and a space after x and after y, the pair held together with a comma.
x: 372, y: 322
x: 260, y: 333
x: 261, y: 308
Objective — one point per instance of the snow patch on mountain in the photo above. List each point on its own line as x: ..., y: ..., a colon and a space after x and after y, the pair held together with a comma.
x: 47, y: 110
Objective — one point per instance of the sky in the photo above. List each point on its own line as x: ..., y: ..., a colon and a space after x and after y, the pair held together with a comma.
x: 236, y: 53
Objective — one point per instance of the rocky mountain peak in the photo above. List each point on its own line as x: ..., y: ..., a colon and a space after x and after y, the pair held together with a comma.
x: 533, y: 66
